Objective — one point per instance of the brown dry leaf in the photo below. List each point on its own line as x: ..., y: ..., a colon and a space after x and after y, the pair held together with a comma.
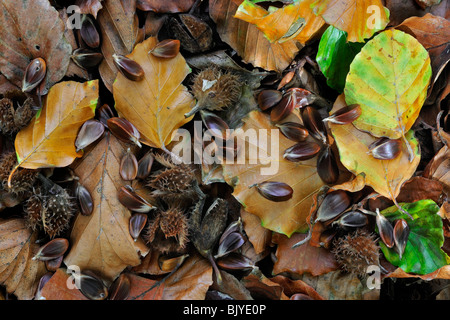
x: 295, y: 21
x: 169, y: 6
x: 441, y: 273
x: 258, y: 236
x: 19, y: 274
x: 433, y: 32
x: 189, y: 282
x: 337, y: 285
x: 73, y: 69
x: 101, y: 242
x: 385, y: 176
x: 56, y: 288
x: 231, y: 286
x: 32, y: 29
x: 248, y: 41
x: 291, y: 287
x: 49, y: 139
x: 402, y: 9
x: 119, y: 27
x: 284, y: 217
x: 5, y: 85
x: 158, y: 103
x: 262, y: 287
x: 356, y: 17
x: 303, y: 259
x: 89, y: 6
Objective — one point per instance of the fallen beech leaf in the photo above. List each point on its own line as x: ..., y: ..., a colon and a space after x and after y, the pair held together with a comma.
x: 32, y: 29
x: 19, y: 273
x: 303, y: 259
x: 295, y: 21
x: 101, y: 242
x: 389, y: 80
x: 119, y: 27
x: 189, y: 282
x: 335, y: 55
x: 433, y: 32
x: 291, y: 287
x: 441, y: 273
x: 385, y: 176
x: 56, y: 288
x: 423, y: 253
x: 49, y: 139
x: 165, y: 6
x: 258, y: 236
x: 248, y: 41
x: 359, y: 18
x: 158, y: 103
x: 89, y: 6
x: 400, y: 10
x: 262, y: 287
x: 284, y: 217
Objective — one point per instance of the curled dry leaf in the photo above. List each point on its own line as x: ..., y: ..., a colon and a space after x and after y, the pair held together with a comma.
x: 19, y: 274
x: 101, y: 242
x: 119, y: 26
x: 295, y: 21
x: 249, y: 42
x: 32, y: 30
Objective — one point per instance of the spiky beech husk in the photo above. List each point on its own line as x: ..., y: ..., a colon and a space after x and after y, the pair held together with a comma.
x: 216, y: 90
x: 51, y: 211
x: 356, y: 251
x: 173, y: 183
x: 22, y: 180
x: 7, y: 125
x: 168, y: 231
x: 13, y: 120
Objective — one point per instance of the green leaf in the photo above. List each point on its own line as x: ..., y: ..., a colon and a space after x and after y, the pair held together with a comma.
x: 389, y: 79
x: 335, y: 55
x: 423, y: 253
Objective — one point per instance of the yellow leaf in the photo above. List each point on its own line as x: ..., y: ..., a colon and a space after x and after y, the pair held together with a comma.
x: 157, y: 104
x: 49, y: 140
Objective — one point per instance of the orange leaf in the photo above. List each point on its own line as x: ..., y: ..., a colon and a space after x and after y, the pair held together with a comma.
x: 49, y: 140
x: 295, y: 21
x: 359, y: 18
x: 19, y: 274
x: 56, y: 288
x: 157, y: 104
x: 303, y: 259
x: 249, y: 42
x: 284, y: 217
x: 101, y: 242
